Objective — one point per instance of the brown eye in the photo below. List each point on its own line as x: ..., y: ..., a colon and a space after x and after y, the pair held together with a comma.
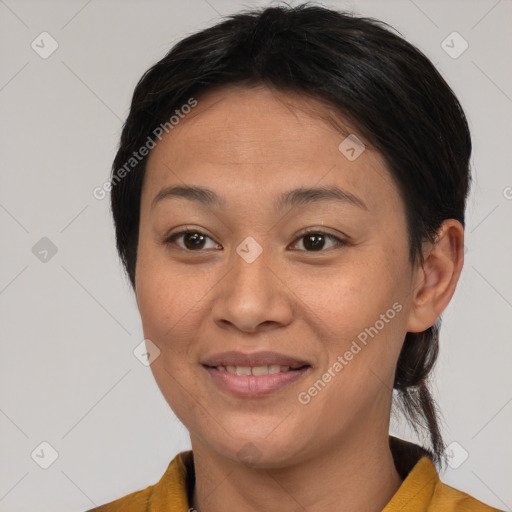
x: 191, y: 240
x: 195, y: 241
x: 315, y: 241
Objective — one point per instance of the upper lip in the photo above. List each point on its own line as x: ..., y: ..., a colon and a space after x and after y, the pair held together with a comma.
x: 234, y: 358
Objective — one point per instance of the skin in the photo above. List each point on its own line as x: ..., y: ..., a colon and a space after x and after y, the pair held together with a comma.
x: 249, y: 146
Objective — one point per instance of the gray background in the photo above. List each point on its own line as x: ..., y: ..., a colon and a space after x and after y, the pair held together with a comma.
x: 69, y: 326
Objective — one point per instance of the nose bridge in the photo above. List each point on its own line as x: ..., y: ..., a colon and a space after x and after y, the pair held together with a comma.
x: 251, y: 294
x: 250, y: 281
x: 250, y: 263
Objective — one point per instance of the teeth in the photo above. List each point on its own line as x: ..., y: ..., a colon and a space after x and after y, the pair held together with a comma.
x: 260, y: 370
x: 254, y: 370
x: 274, y: 368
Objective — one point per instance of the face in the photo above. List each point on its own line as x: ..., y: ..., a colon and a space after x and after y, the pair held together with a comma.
x: 273, y: 274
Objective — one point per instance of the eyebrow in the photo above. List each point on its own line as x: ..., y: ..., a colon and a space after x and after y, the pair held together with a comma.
x: 296, y: 197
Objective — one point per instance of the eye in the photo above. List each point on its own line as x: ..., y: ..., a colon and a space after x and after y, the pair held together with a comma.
x: 195, y: 241
x: 314, y: 240
x: 192, y: 240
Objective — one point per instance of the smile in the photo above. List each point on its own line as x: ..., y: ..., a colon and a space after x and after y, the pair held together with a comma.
x: 255, y: 370
x: 254, y: 381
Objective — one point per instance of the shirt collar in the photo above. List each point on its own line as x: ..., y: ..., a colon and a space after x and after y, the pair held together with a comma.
x: 413, y: 463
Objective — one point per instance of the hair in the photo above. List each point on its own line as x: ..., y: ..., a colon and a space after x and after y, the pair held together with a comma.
x: 368, y: 76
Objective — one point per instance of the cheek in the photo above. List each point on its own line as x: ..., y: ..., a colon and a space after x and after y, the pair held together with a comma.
x: 353, y: 296
x: 168, y: 301
x: 362, y: 307
x: 166, y: 297
x: 167, y: 306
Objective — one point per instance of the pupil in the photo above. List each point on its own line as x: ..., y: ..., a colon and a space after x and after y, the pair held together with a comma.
x: 316, y: 240
x: 313, y: 242
x: 196, y: 239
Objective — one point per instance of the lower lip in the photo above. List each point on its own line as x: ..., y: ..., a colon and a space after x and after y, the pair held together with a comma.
x: 254, y: 385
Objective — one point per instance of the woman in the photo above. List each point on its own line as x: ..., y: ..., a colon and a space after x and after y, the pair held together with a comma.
x: 289, y: 197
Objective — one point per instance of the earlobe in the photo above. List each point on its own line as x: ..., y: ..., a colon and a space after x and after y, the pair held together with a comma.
x: 438, y: 276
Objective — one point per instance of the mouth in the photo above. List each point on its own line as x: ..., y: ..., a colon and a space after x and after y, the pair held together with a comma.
x: 256, y: 374
x: 237, y: 359
x: 272, y: 369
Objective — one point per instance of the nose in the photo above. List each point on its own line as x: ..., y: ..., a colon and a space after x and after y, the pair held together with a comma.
x: 253, y: 297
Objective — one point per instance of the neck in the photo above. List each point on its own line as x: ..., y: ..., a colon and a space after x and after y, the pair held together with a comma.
x: 357, y: 475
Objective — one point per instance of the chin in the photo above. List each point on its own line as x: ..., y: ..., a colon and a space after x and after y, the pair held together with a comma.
x: 257, y: 451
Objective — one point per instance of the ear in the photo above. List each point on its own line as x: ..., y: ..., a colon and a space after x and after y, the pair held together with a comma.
x: 437, y: 277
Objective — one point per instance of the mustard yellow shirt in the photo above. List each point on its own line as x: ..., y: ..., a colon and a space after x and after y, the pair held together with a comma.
x: 421, y: 489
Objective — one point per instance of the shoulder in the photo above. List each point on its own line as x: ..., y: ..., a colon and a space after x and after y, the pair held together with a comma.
x: 170, y: 493
x: 137, y: 501
x: 452, y: 500
x: 423, y: 491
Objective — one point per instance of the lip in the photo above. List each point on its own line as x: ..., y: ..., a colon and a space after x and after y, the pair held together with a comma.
x: 254, y: 385
x: 235, y: 358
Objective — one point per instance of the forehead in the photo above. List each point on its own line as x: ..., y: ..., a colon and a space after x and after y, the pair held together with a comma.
x: 252, y: 125
x: 258, y: 141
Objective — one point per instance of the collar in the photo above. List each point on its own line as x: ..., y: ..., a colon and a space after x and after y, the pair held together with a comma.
x: 413, y: 463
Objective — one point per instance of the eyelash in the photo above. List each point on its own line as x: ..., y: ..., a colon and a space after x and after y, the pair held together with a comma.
x: 339, y: 242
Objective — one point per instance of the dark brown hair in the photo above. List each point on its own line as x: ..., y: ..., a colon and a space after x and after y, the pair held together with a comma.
x: 369, y: 76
